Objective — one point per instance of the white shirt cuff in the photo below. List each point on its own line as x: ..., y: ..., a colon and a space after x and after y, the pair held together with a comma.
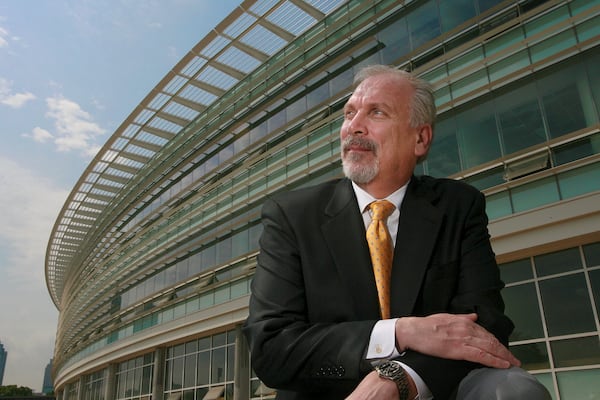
x: 382, y: 347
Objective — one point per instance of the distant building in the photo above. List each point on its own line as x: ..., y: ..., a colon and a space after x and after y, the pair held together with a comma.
x: 151, y: 257
x: 47, y: 386
x: 3, y: 356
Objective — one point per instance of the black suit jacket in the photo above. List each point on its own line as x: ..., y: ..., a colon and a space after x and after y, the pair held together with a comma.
x: 314, y: 298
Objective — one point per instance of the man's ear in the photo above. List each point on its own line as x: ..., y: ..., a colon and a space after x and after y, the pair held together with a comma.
x: 424, y: 138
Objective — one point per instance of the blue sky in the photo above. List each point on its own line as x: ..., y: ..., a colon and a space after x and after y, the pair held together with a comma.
x: 70, y: 73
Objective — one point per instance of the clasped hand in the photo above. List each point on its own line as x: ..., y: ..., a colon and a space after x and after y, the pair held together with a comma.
x: 450, y: 336
x: 455, y: 337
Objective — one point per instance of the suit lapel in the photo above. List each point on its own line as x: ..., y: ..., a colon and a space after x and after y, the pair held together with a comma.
x: 417, y: 232
x: 344, y: 233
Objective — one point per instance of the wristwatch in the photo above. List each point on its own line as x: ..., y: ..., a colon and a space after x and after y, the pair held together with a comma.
x: 393, y: 371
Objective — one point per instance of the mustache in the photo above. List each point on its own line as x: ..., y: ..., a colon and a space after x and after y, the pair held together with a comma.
x: 360, y: 142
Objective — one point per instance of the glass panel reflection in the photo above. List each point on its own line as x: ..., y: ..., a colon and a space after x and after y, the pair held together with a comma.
x: 523, y: 308
x: 557, y: 262
x: 576, y: 352
x: 579, y: 384
x: 533, y: 355
x: 567, y: 305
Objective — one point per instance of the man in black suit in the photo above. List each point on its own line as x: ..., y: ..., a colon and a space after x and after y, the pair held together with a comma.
x: 315, y: 327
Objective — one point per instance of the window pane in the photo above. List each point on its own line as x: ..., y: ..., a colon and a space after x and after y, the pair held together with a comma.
x: 576, y: 352
x: 545, y: 191
x: 485, y: 4
x: 523, y: 308
x: 553, y: 45
x: 455, y: 12
x: 591, y: 252
x: 595, y: 281
x: 567, y: 305
x: 561, y: 100
x: 203, y: 372
x: 579, y: 384
x: 487, y: 179
x: 516, y: 271
x: 177, y: 371
x: 395, y: 40
x: 190, y: 371
x: 478, y: 136
x: 498, y: 205
x: 573, y: 151
x: 218, y: 365
x: 533, y: 355
x: 520, y: 119
x: 423, y: 24
x: 443, y: 159
x: 509, y: 65
x: 557, y: 262
x: 579, y: 181
x: 470, y: 83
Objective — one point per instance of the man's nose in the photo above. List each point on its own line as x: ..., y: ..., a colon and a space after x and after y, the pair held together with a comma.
x: 357, y: 124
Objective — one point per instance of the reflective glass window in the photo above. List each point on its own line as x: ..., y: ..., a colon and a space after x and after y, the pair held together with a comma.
x: 552, y: 45
x: 579, y: 181
x: 520, y: 119
x: 318, y: 95
x: 547, y: 20
x: 591, y: 253
x: 470, y: 83
x: 423, y: 24
x: 595, y: 282
x: 203, y: 369
x: 562, y: 93
x: 478, y: 135
x: 576, y: 352
x: 508, y: 65
x: 395, y: 40
x: 523, y: 309
x: 486, y: 4
x: 498, y: 205
x: 583, y: 384
x: 532, y: 355
x: 546, y: 192
x: 557, y: 262
x: 567, y: 306
x: 501, y: 42
x: 455, y: 12
x: 487, y: 179
x: 443, y: 159
x: 575, y: 150
x: 591, y: 63
x: 516, y: 271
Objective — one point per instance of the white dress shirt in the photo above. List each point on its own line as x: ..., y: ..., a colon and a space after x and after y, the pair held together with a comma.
x: 382, y: 344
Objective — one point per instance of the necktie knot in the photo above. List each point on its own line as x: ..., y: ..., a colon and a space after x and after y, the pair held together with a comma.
x: 381, y: 209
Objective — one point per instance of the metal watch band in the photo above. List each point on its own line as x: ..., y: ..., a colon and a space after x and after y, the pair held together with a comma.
x: 393, y: 371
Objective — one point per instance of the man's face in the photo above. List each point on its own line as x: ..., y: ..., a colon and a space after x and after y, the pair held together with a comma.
x: 377, y: 142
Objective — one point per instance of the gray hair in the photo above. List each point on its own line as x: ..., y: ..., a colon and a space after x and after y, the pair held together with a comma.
x: 422, y: 106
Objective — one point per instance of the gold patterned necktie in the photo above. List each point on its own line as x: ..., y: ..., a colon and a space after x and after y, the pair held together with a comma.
x: 382, y: 251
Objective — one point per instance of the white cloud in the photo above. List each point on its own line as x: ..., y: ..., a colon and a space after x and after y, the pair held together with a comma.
x: 13, y: 100
x: 75, y: 128
x: 40, y: 135
x: 3, y: 37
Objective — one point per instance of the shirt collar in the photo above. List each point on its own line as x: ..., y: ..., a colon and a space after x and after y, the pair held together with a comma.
x: 364, y: 198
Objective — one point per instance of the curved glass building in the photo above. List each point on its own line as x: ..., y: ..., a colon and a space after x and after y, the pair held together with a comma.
x: 150, y: 259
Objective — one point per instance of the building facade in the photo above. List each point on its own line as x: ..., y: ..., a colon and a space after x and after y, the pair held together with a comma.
x: 3, y: 356
x: 151, y: 257
x: 47, y: 387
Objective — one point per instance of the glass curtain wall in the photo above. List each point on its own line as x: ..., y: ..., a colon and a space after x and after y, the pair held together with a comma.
x: 554, y: 300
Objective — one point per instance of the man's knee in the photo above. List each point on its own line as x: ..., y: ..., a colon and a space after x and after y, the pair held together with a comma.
x: 501, y: 384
